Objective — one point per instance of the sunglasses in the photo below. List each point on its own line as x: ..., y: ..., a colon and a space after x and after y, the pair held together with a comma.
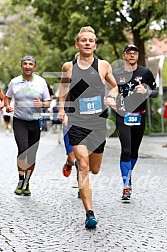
x: 132, y: 52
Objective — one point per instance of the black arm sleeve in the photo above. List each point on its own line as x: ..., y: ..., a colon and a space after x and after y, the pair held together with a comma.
x: 153, y: 93
x: 152, y: 89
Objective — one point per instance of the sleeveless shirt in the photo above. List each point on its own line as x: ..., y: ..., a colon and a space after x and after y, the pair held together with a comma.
x: 86, y: 96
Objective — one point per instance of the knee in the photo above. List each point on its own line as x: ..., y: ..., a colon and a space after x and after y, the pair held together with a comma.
x: 95, y: 172
x: 95, y: 169
x: 83, y: 167
x: 22, y: 150
x: 31, y: 159
x: 126, y: 154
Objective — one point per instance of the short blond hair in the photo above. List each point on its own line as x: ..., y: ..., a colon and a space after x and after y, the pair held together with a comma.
x: 85, y: 29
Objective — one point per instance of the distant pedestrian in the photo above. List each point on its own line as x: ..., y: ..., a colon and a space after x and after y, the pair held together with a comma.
x: 135, y: 84
x: 31, y: 94
x: 7, y: 121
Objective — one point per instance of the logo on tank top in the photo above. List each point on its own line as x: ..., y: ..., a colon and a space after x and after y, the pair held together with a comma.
x: 122, y: 79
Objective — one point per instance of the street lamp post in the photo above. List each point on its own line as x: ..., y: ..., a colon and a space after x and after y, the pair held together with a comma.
x: 159, y: 83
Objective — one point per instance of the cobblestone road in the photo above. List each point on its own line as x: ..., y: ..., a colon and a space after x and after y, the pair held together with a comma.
x: 52, y: 219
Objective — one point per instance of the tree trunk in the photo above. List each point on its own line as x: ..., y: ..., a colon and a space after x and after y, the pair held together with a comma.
x: 140, y: 44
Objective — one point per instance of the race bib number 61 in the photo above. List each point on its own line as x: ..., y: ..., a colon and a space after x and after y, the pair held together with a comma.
x: 90, y: 105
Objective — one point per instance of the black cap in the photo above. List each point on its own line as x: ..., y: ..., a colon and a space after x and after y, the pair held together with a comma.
x: 28, y: 58
x: 130, y: 47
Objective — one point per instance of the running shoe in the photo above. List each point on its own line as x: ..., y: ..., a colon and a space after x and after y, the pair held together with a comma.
x: 19, y: 188
x: 26, y: 191
x: 67, y: 170
x: 126, y: 194
x: 91, y: 221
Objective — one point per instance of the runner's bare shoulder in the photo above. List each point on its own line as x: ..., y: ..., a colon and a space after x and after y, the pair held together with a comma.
x: 67, y: 66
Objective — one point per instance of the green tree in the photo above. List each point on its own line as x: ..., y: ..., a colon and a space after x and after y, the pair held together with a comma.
x: 113, y: 20
x: 137, y: 16
x: 62, y: 20
x: 22, y: 36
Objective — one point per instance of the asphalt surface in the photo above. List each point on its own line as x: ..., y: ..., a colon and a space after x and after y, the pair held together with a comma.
x: 52, y: 218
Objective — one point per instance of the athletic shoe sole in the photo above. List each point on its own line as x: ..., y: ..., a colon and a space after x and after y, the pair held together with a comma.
x: 19, y: 194
x: 125, y: 199
x: 26, y: 194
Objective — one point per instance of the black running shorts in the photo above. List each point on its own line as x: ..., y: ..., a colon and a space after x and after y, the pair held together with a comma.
x: 94, y: 139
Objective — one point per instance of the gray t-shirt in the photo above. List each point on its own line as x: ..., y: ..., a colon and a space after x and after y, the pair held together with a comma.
x: 24, y: 92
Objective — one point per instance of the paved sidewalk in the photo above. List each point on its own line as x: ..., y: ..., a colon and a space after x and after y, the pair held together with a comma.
x: 52, y: 219
x: 151, y: 146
